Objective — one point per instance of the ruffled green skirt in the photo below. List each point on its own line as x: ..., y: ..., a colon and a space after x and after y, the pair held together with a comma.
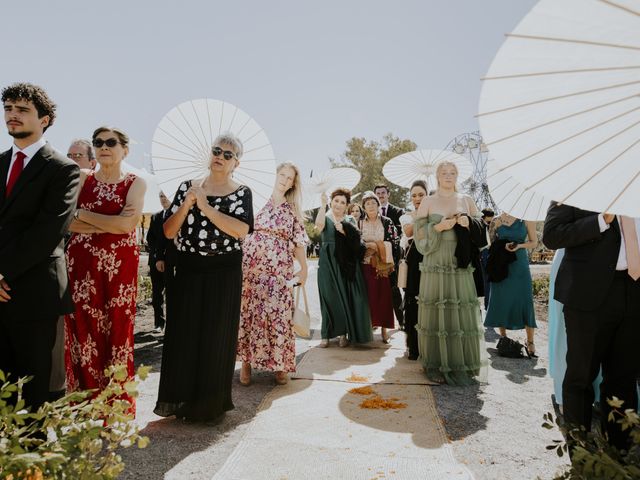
x: 450, y: 331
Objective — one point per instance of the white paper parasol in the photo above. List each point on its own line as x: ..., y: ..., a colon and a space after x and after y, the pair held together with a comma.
x: 560, y: 105
x: 405, y: 169
x: 152, y: 195
x: 340, y: 177
x: 511, y: 196
x: 183, y: 139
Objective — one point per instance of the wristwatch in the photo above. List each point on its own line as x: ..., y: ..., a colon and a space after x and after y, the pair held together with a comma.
x: 76, y: 215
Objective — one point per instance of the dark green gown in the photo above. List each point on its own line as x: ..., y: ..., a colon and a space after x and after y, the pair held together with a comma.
x: 450, y: 332
x: 344, y: 304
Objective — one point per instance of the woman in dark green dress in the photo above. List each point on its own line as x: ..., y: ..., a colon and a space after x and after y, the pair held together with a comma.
x: 511, y: 303
x: 450, y: 332
x: 343, y: 295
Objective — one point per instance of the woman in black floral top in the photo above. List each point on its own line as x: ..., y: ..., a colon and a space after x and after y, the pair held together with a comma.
x: 209, y: 218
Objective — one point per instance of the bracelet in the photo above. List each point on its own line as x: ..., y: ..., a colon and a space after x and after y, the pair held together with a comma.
x: 76, y: 215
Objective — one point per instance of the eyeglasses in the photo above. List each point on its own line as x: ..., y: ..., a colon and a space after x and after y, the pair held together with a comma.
x: 227, y: 154
x: 109, y: 142
x: 76, y: 156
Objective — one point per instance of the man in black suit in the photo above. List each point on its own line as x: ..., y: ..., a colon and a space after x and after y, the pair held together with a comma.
x: 598, y: 285
x: 38, y: 193
x: 394, y: 213
x: 157, y: 246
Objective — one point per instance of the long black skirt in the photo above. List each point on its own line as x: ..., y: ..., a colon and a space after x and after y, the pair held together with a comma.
x: 201, y: 333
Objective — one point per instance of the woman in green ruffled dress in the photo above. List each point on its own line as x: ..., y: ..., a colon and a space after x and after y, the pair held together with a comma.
x: 450, y: 331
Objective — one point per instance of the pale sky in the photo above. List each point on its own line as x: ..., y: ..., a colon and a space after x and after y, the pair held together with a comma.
x: 312, y: 74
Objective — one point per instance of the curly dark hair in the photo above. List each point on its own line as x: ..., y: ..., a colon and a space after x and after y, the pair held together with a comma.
x: 31, y: 93
x: 341, y: 192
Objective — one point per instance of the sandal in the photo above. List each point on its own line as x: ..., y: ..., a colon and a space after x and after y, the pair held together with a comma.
x: 245, y: 374
x: 324, y: 343
x: 281, y: 378
x: 530, y: 348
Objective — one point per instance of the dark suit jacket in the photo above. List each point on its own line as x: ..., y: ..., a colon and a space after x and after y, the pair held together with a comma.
x: 394, y: 213
x: 590, y: 258
x: 156, y: 241
x: 33, y: 222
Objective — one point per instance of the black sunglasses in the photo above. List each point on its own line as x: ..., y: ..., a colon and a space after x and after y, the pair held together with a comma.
x: 227, y: 154
x: 109, y: 142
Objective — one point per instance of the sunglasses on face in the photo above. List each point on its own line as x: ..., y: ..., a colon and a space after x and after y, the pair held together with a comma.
x: 109, y: 142
x: 227, y: 154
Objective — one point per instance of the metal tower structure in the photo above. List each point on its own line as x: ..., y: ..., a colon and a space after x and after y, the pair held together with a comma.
x: 471, y: 146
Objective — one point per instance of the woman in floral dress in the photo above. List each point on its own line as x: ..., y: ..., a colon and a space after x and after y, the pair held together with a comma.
x: 102, y: 259
x: 265, y: 339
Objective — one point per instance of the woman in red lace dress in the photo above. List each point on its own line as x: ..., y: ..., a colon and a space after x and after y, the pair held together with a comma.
x: 102, y: 259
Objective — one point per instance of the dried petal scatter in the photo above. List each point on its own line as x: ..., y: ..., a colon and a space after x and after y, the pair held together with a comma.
x: 357, y: 378
x: 363, y: 390
x: 379, y: 403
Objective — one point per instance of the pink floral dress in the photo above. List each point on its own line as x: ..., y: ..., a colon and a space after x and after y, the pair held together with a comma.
x: 266, y: 339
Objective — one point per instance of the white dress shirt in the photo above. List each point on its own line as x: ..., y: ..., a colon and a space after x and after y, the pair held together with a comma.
x: 622, y: 254
x: 29, y: 151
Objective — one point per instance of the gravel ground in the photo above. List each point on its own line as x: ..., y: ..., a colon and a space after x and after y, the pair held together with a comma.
x: 495, y: 428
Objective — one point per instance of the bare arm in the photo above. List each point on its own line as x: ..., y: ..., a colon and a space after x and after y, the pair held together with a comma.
x: 300, y: 255
x: 533, y: 236
x: 471, y: 206
x: 229, y: 225
x: 127, y: 220
x: 78, y: 226
x: 423, y: 209
x: 322, y: 213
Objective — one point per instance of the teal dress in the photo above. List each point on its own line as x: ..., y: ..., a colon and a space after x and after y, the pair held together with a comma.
x: 511, y: 300
x: 344, y: 304
x: 450, y: 332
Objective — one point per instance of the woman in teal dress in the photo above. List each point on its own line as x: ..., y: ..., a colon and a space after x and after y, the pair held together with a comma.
x: 450, y: 333
x: 511, y: 303
x: 343, y: 295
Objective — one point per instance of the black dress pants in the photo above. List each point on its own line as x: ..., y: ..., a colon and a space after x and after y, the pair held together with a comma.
x: 606, y: 337
x: 157, y: 295
x: 25, y: 349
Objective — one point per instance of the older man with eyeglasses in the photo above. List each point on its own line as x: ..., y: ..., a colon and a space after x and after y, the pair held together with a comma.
x: 81, y: 152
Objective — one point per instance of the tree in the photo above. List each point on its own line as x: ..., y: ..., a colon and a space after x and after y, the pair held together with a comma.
x: 368, y: 157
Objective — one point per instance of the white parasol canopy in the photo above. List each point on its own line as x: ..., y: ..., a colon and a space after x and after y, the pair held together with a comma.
x: 152, y: 195
x: 326, y: 182
x: 511, y: 196
x: 405, y: 169
x: 560, y: 105
x: 182, y: 147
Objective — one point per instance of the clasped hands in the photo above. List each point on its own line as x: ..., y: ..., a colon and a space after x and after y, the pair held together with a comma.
x: 450, y: 222
x: 196, y: 196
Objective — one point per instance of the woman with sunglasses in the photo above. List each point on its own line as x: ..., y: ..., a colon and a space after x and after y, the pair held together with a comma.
x: 210, y: 217
x: 102, y: 259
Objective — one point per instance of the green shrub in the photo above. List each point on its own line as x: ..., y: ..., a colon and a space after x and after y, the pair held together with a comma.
x: 541, y: 287
x: 75, y: 437
x: 593, y: 458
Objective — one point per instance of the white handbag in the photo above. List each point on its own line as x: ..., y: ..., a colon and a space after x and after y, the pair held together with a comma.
x: 403, y: 268
x: 301, y: 318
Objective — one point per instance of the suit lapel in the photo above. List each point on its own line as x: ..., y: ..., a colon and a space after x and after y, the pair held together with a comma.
x: 33, y: 168
x: 5, y: 159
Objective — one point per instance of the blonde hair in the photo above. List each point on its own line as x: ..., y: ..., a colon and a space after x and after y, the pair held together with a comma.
x: 294, y: 194
x: 447, y: 163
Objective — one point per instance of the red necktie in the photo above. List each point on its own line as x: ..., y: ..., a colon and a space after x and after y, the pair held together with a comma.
x: 16, y: 170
